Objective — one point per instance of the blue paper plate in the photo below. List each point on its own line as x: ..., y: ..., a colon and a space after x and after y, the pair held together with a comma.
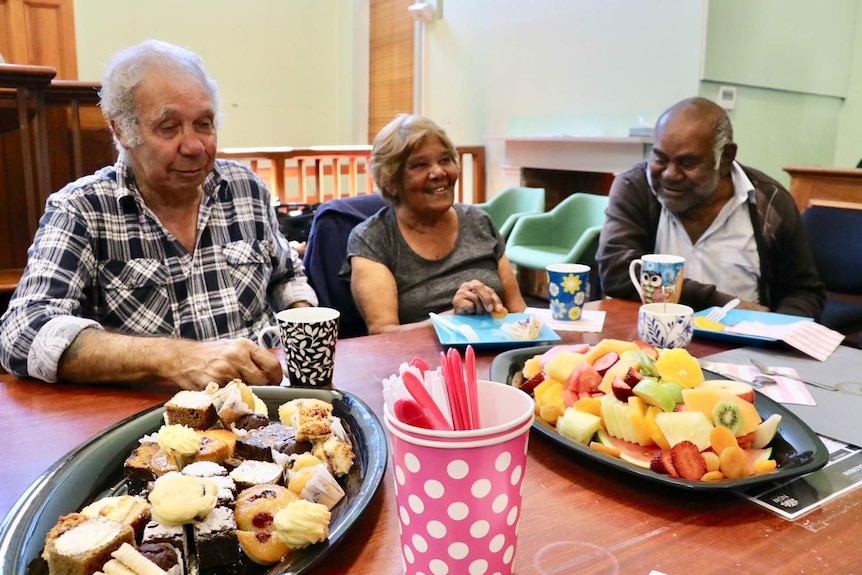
x: 736, y: 316
x: 490, y: 332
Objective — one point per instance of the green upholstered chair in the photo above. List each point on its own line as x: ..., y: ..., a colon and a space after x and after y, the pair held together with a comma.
x: 569, y: 233
x: 506, y: 207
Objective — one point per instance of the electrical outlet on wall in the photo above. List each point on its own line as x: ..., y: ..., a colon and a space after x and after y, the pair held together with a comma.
x: 727, y: 97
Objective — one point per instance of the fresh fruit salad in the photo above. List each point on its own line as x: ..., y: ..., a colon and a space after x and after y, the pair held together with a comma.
x: 652, y: 408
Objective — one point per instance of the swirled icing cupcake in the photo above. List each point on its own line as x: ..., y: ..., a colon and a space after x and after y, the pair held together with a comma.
x: 179, y: 441
x: 302, y: 523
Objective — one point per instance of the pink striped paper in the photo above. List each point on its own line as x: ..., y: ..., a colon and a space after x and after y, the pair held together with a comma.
x: 784, y: 390
x: 811, y: 338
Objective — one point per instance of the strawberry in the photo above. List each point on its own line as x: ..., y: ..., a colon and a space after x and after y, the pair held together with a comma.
x: 662, y: 463
x: 656, y: 464
x: 529, y: 385
x: 687, y: 460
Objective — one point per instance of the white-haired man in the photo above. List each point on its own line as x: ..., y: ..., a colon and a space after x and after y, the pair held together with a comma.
x: 164, y: 266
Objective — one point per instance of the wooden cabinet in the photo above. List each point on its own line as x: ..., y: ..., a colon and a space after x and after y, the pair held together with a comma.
x: 836, y: 187
x: 39, y: 33
x: 51, y: 132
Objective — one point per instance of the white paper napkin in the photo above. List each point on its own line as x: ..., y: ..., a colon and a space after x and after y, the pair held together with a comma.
x: 591, y: 320
x: 811, y: 338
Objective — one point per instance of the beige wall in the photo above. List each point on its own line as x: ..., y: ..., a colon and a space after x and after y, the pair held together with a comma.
x: 289, y: 71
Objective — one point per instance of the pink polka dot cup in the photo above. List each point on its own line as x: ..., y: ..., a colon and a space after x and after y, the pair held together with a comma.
x: 459, y: 498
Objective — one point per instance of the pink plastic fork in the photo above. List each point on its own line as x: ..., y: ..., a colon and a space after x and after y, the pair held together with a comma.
x: 423, y: 398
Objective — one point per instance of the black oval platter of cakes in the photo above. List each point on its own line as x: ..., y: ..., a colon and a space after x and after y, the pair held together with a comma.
x: 100, y: 469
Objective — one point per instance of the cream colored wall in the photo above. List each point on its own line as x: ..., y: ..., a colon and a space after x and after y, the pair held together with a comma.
x: 287, y: 69
x: 848, y: 146
x: 586, y: 68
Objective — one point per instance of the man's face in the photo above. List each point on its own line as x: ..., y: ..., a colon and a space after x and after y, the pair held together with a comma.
x: 682, y: 166
x: 176, y: 117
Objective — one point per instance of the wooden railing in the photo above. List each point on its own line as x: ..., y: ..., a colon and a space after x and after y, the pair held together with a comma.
x: 321, y: 173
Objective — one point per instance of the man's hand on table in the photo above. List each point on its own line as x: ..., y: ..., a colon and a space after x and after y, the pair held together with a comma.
x: 199, y: 363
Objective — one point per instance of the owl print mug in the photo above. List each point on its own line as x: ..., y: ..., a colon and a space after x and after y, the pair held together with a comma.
x: 659, y: 279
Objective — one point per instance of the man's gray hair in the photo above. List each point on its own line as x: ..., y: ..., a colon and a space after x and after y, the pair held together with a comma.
x: 722, y: 132
x: 128, y: 68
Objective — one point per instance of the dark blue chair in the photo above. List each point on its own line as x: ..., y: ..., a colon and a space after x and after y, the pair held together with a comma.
x: 325, y: 253
x: 835, y: 237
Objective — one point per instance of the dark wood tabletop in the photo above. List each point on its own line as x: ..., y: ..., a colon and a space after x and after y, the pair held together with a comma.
x: 579, y: 516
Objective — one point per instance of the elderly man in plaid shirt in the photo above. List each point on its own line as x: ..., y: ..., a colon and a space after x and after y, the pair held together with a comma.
x: 164, y: 266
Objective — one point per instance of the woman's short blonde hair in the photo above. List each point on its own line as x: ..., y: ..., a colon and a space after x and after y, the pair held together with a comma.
x: 395, y: 143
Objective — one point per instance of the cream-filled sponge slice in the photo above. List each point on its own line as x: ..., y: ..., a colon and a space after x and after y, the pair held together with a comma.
x: 80, y: 545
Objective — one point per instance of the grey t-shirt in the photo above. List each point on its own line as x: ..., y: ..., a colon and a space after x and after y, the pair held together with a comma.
x: 429, y: 285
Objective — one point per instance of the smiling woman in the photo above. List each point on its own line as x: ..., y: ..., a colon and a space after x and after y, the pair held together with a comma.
x: 423, y: 253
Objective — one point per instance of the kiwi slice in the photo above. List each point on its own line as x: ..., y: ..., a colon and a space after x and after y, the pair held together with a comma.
x: 727, y: 414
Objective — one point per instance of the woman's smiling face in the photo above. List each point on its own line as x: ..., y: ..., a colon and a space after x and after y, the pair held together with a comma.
x: 430, y: 174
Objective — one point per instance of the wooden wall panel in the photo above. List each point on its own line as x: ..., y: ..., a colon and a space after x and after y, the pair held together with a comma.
x: 40, y: 33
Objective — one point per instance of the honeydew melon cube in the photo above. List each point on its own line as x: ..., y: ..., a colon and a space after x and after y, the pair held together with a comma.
x: 578, y: 426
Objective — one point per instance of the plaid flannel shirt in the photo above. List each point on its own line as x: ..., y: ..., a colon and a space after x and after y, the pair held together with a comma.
x: 101, y: 258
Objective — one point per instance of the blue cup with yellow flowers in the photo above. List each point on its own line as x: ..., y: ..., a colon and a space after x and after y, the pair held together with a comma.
x: 568, y: 286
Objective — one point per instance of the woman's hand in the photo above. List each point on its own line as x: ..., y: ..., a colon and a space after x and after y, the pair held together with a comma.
x: 474, y: 298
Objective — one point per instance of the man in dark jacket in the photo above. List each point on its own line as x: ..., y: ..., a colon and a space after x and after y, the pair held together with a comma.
x: 738, y: 229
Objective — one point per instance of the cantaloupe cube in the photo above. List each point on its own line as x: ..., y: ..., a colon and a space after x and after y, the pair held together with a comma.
x: 635, y: 415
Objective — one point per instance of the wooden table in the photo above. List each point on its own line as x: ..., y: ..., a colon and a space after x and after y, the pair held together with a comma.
x: 578, y: 516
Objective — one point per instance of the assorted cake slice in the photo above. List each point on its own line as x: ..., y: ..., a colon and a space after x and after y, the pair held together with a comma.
x: 216, y: 486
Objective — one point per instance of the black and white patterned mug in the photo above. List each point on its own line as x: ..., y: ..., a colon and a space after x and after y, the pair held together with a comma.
x: 308, y: 336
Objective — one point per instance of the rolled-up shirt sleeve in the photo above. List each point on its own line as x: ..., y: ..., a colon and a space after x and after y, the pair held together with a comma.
x: 51, y: 342
x: 42, y: 318
x: 297, y: 289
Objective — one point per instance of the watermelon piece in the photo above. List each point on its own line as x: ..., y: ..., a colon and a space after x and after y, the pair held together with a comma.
x: 574, y: 348
x: 758, y: 454
x: 639, y: 455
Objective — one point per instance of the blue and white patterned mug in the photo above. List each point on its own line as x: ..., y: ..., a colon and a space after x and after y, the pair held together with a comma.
x: 667, y: 325
x: 659, y: 279
x: 308, y: 336
x: 568, y: 286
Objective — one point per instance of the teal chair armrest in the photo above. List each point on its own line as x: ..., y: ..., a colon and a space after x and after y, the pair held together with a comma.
x: 530, y: 229
x: 509, y: 224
